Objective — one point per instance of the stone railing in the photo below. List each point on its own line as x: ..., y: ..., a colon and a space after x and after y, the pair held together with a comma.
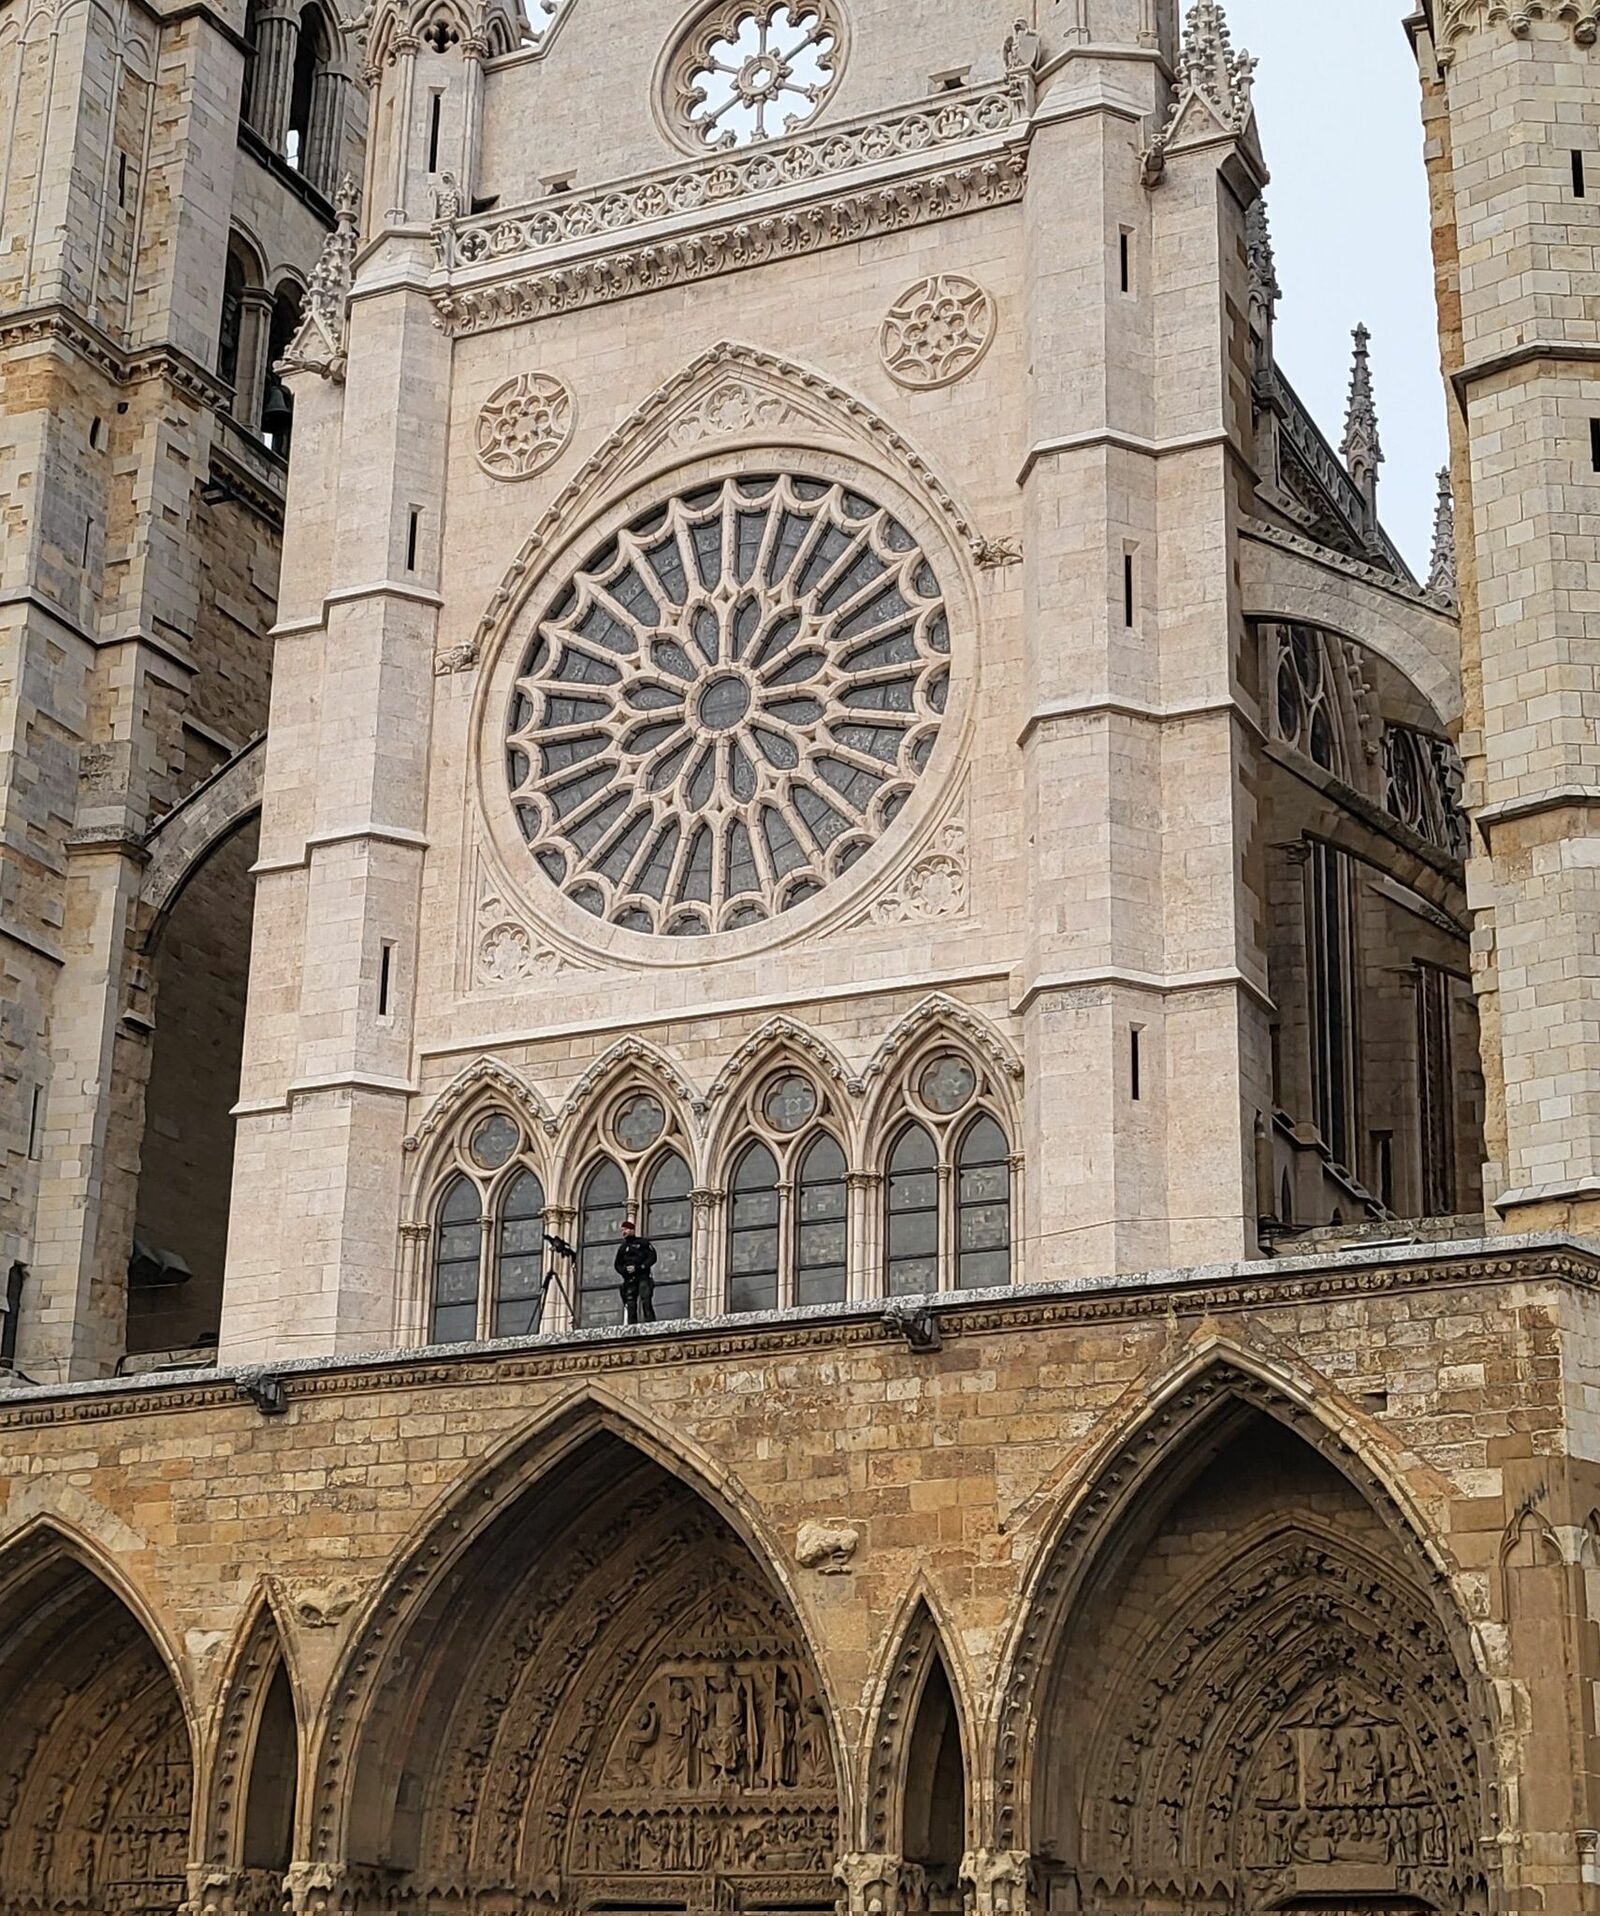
x: 721, y: 180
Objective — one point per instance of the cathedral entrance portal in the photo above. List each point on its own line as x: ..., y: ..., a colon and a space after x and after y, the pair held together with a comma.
x: 605, y: 1700
x: 1255, y: 1706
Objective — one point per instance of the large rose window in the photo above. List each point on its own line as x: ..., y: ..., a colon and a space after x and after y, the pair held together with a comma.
x: 728, y: 704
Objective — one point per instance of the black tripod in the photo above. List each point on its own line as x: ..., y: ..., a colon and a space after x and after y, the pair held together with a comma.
x: 558, y: 1280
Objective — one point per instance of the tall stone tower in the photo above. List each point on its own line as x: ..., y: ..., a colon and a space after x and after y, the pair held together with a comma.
x: 1512, y: 99
x: 157, y: 243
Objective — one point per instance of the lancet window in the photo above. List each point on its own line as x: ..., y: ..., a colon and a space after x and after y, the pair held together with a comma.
x: 788, y: 1230
x: 947, y: 1192
x: 487, y: 1239
x: 641, y: 1171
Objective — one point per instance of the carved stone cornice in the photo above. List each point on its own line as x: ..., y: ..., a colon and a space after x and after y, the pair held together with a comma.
x: 1281, y: 1285
x: 573, y: 219
x: 734, y: 244
x: 1457, y: 18
x: 58, y: 325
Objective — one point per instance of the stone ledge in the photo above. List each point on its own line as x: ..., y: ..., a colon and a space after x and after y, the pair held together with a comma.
x: 1369, y: 1269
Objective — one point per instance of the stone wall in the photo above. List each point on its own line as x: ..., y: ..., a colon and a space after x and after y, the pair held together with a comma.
x: 1046, y: 1504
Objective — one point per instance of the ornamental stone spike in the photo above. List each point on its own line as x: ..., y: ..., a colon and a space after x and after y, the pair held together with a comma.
x: 1210, y: 65
x: 1442, y: 569
x: 1361, y: 449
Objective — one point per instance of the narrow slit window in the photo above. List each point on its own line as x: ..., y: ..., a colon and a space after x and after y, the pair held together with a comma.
x: 122, y: 178
x: 1127, y: 590
x: 413, y: 527
x: 88, y: 530
x: 385, y: 977
x: 1126, y: 251
x: 36, y: 1125
x: 1135, y: 1073
x: 435, y: 112
x: 1594, y: 443
x: 1580, y: 181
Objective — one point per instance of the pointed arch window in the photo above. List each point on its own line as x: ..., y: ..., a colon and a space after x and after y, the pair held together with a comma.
x: 519, y: 1258
x: 754, y: 1231
x: 821, y: 1225
x: 603, y: 1208
x: 669, y: 1224
x: 911, y: 1226
x: 983, y: 1207
x: 457, y: 1256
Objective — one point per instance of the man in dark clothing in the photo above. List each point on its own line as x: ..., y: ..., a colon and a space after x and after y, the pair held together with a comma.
x: 636, y: 1260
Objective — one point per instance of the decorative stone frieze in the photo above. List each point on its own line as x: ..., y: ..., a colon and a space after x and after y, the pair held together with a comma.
x: 728, y: 248
x: 571, y: 219
x: 1457, y: 18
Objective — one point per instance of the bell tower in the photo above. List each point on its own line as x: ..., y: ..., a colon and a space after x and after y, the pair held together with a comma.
x: 1513, y: 112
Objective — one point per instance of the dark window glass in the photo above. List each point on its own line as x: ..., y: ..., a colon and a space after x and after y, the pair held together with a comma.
x: 911, y: 1200
x: 669, y: 1225
x: 983, y: 1207
x: 605, y: 1200
x: 457, y: 1248
x: 519, y: 1266
x: 821, y: 1228
x: 753, y: 1207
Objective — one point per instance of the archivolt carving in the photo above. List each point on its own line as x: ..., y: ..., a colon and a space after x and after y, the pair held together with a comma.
x: 919, y: 1649
x: 636, y: 1057
x: 1435, y: 1636
x: 766, y: 1047
x: 609, y: 1700
x: 95, y: 1768
x: 1301, y: 1711
x: 259, y: 1654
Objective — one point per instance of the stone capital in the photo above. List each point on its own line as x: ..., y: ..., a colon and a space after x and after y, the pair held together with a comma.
x: 994, y: 1882
x: 876, y: 1885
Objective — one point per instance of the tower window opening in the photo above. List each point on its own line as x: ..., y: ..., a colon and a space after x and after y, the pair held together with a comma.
x: 435, y: 111
x: 1594, y: 443
x: 1128, y: 594
x: 1126, y: 250
x: 385, y: 976
x: 1135, y: 1072
x: 413, y: 527
x: 36, y: 1125
x: 122, y: 178
x: 1580, y: 182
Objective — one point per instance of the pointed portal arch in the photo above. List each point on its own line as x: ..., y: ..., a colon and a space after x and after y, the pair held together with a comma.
x: 1241, y: 1680
x: 588, y: 1684
x: 255, y: 1769
x: 917, y: 1793
x: 96, y: 1788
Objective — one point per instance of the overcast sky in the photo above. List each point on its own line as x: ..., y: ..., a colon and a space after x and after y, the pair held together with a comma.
x: 1337, y: 95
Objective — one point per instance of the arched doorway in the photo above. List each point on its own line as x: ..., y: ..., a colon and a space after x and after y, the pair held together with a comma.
x: 97, y: 1779
x: 199, y: 964
x: 1251, y: 1701
x: 604, y: 1699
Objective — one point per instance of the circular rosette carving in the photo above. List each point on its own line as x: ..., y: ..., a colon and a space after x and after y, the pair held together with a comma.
x: 728, y: 704
x: 524, y: 426
x: 750, y: 70
x: 937, y: 331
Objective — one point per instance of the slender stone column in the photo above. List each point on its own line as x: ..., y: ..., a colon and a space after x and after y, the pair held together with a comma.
x: 320, y: 161
x: 255, y: 340
x: 272, y: 78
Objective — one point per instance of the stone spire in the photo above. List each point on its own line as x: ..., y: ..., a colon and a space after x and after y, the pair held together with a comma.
x: 1210, y: 65
x: 319, y: 344
x: 1213, y: 92
x: 1361, y: 451
x: 1442, y: 571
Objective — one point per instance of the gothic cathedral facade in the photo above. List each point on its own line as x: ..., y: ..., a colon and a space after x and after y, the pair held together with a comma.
x: 726, y: 619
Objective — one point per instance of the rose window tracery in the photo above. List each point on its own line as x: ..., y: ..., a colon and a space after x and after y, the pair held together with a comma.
x: 752, y: 72
x: 728, y: 704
